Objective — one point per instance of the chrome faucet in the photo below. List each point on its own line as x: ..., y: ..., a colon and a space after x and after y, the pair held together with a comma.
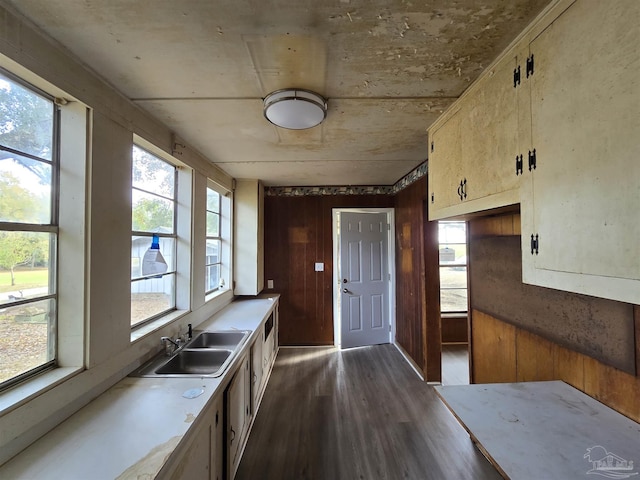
x: 168, y: 342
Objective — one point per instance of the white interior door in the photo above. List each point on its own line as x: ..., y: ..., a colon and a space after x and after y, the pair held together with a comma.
x: 364, y: 278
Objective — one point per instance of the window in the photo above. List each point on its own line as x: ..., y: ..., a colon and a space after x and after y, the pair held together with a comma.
x: 28, y: 230
x: 453, y: 266
x: 154, y: 237
x: 213, y: 260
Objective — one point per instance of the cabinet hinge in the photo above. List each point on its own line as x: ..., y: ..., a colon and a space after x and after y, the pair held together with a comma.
x: 532, y: 160
x: 516, y: 76
x: 462, y: 189
x: 433, y: 198
x: 432, y: 146
x: 530, y: 65
x: 534, y: 244
x: 519, y: 164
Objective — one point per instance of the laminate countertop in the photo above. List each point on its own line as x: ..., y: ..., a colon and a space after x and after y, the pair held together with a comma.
x: 136, y: 424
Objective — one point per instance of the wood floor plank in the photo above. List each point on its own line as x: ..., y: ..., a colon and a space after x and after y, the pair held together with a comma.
x: 355, y: 414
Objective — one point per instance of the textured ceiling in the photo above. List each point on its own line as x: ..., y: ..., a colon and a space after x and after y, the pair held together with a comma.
x: 202, y: 67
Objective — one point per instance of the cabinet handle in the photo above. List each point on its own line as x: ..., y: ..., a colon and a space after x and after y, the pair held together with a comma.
x: 255, y: 377
x: 519, y: 164
x: 532, y: 160
x: 534, y: 244
x: 530, y: 66
x: 462, y: 189
x: 233, y: 435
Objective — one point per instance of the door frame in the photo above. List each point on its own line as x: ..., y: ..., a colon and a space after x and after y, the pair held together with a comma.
x: 391, y: 254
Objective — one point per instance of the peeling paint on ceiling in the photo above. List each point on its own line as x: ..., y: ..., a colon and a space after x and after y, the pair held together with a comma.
x: 388, y: 69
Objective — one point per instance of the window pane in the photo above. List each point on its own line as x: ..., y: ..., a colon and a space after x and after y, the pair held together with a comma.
x: 452, y: 254
x: 26, y: 339
x: 213, y: 224
x: 25, y: 190
x: 213, y: 200
x: 151, y: 297
x: 213, y: 252
x: 453, y: 277
x: 140, y: 245
x: 452, y: 232
x: 26, y: 120
x: 24, y: 265
x: 151, y: 213
x: 152, y: 174
x: 453, y: 300
x: 212, y: 281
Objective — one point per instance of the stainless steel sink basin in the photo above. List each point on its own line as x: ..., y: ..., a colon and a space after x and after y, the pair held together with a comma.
x: 207, y: 354
x: 195, y: 362
x: 221, y: 339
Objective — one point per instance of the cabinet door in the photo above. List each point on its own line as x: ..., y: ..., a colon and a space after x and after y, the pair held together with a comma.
x: 236, y: 418
x: 217, y: 442
x: 489, y: 138
x: 585, y: 121
x: 445, y: 167
x: 256, y: 372
x: 196, y: 462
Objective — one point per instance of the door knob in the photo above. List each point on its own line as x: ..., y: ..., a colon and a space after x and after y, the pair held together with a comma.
x: 344, y: 290
x: 344, y: 280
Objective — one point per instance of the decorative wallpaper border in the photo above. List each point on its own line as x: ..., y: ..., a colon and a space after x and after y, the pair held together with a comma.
x: 415, y: 174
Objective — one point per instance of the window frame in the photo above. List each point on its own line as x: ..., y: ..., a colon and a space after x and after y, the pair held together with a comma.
x: 51, y: 228
x: 217, y: 238
x: 455, y: 264
x: 226, y: 240
x: 174, y: 235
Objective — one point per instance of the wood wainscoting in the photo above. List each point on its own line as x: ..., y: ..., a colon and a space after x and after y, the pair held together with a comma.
x: 298, y: 233
x: 417, y: 281
x: 505, y: 353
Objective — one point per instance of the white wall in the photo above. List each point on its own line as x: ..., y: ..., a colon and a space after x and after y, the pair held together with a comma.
x: 99, y: 324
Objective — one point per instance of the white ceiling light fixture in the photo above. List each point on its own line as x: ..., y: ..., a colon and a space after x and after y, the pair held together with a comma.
x: 295, y: 108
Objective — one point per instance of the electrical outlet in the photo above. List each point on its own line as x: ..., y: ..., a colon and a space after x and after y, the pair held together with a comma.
x: 269, y: 283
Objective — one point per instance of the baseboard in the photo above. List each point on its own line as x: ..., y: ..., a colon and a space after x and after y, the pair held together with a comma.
x: 409, y: 361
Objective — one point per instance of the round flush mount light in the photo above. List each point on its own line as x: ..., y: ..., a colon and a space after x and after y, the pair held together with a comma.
x: 295, y: 109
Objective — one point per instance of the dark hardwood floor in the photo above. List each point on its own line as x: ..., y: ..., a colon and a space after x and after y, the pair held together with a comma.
x: 455, y: 364
x: 355, y: 414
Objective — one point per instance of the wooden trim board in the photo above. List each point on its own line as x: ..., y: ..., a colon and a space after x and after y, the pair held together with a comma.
x: 542, y: 429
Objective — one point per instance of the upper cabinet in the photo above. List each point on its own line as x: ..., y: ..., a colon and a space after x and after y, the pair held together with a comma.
x: 580, y: 204
x: 248, y: 258
x: 473, y: 147
x: 554, y: 126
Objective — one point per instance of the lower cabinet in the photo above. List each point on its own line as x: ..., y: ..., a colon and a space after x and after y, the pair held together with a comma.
x: 202, y: 457
x: 244, y: 393
x: 238, y: 414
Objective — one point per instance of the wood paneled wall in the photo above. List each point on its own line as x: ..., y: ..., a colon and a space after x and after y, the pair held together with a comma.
x: 298, y: 233
x: 504, y: 352
x: 417, y: 292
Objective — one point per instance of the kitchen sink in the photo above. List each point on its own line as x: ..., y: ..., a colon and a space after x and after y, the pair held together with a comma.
x: 208, y: 354
x: 221, y: 339
x: 195, y: 362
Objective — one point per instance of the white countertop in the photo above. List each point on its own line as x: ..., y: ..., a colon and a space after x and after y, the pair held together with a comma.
x: 137, y: 422
x: 547, y: 430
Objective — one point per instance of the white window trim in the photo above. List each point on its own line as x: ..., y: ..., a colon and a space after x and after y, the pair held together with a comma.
x: 226, y: 239
x: 183, y: 261
x: 75, y: 125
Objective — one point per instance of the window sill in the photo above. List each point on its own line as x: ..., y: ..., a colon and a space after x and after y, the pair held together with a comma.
x: 215, y: 294
x: 28, y: 390
x: 146, y: 329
